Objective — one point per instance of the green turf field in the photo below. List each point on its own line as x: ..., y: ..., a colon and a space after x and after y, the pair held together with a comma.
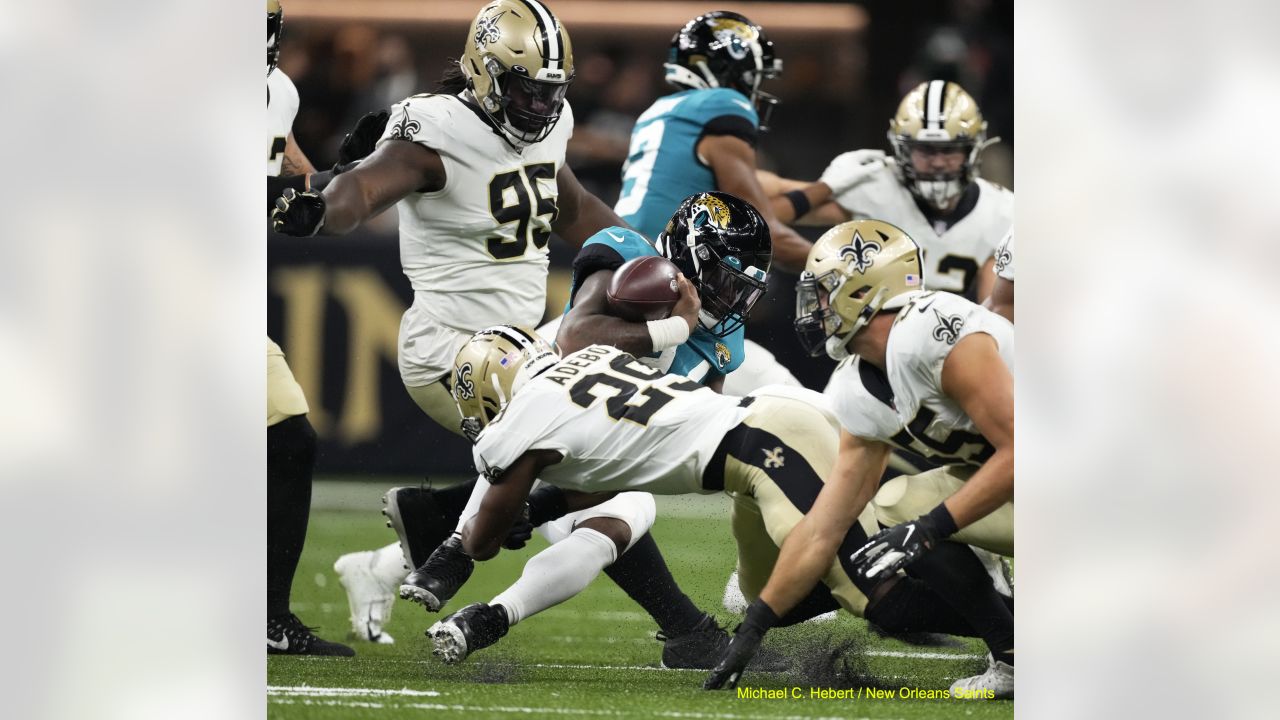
x: 593, y: 656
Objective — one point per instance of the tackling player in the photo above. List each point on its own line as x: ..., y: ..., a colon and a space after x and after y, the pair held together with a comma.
x: 927, y: 372
x: 291, y: 441
x: 724, y: 245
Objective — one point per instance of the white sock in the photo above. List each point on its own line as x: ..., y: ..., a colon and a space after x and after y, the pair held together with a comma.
x: 557, y: 574
x: 389, y: 566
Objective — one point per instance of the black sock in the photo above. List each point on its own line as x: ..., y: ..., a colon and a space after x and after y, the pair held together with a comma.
x: 910, y: 606
x: 957, y: 575
x: 452, y: 501
x: 291, y: 452
x: 817, y: 602
x: 643, y: 575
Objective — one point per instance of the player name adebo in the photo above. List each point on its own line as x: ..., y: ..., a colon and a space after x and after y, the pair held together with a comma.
x: 567, y: 369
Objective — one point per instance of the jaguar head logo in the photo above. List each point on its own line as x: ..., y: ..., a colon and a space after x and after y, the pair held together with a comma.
x: 723, y: 356
x: 860, y: 252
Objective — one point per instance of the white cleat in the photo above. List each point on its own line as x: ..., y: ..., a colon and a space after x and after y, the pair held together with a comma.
x: 448, y: 643
x: 370, y: 600
x: 994, y: 684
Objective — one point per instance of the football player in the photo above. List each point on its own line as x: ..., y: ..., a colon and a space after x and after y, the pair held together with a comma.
x: 291, y: 441
x: 1001, y: 299
x: 724, y: 245
x: 927, y: 372
x: 930, y: 188
x: 601, y: 425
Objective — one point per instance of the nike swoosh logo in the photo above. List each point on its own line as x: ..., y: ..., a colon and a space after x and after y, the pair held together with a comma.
x: 283, y: 644
x: 615, y: 237
x: 910, y: 531
x: 922, y: 308
x: 744, y: 105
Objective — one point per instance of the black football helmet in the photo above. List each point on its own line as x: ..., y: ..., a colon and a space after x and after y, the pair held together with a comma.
x: 724, y: 49
x: 722, y: 244
x: 275, y: 20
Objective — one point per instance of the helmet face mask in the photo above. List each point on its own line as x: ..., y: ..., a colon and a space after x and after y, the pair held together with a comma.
x: 725, y: 49
x: 491, y: 368
x: 855, y: 270
x: 722, y: 244
x: 518, y: 62
x: 275, y: 21
x: 938, y: 117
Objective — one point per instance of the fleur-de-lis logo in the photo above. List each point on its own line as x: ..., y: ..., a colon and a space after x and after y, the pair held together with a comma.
x: 773, y: 458
x: 859, y: 252
x: 1003, y: 258
x: 487, y: 31
x: 406, y: 128
x: 463, y: 387
x: 949, y: 327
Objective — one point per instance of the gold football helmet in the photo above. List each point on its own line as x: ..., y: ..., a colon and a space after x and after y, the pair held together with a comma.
x: 940, y: 116
x: 518, y: 61
x: 491, y: 368
x: 275, y: 20
x: 855, y: 270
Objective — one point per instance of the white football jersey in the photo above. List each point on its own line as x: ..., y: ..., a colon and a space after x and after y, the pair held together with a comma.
x: 952, y: 256
x: 476, y: 250
x: 1004, y: 258
x: 282, y: 107
x: 619, y: 424
x: 905, y: 406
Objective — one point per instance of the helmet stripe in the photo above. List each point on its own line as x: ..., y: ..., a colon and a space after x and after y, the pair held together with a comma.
x: 933, y: 104
x: 550, y: 35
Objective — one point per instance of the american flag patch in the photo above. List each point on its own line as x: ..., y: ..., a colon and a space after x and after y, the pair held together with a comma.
x: 507, y: 359
x: 912, y: 279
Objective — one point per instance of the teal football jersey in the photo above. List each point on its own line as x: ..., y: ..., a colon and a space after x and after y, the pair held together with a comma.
x: 662, y: 167
x: 703, y: 356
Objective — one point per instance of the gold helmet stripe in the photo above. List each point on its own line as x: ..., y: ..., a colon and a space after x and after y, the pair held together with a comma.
x: 551, y: 48
x: 933, y: 104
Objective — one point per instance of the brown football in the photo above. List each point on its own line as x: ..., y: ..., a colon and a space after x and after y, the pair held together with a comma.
x: 643, y: 289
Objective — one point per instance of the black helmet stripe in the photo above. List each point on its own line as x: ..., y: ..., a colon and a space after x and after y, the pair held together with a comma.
x: 551, y: 47
x: 513, y: 335
x: 933, y: 104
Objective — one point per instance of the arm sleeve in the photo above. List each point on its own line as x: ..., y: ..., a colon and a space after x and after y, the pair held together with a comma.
x: 728, y: 112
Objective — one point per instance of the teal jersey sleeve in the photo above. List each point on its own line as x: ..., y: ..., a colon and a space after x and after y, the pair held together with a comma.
x: 662, y: 167
x: 705, y: 356
x: 606, y: 250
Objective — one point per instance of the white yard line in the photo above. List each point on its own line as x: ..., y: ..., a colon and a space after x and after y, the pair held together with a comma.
x: 309, y: 691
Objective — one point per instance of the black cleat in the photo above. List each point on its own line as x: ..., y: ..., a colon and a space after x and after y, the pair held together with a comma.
x: 702, y: 647
x: 474, y: 627
x: 286, y: 635
x: 419, y: 522
x: 438, y: 579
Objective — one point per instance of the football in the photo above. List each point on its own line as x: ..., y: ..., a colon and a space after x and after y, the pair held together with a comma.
x: 643, y: 289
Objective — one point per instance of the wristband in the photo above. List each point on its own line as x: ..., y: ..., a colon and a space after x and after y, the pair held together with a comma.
x: 760, y: 616
x: 668, y: 333
x: 319, y: 180
x: 941, y: 520
x: 800, y: 202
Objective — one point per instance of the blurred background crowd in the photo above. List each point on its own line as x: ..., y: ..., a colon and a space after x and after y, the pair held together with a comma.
x: 334, y: 305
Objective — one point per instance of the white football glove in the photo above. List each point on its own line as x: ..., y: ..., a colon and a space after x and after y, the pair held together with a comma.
x: 850, y: 168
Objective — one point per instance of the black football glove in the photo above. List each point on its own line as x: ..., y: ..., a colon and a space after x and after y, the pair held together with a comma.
x: 361, y: 140
x: 746, y: 641
x: 298, y: 213
x: 520, y: 532
x: 892, y: 549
